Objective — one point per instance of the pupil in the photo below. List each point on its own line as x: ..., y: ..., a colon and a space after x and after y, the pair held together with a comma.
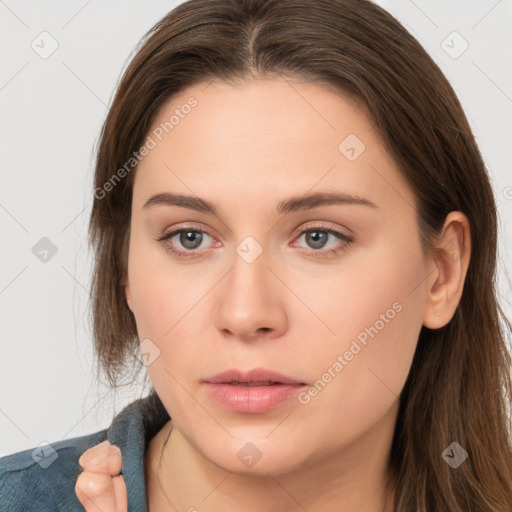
x: 318, y: 238
x: 191, y: 237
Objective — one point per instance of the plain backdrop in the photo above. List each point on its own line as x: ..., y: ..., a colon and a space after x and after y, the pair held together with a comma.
x: 52, y: 109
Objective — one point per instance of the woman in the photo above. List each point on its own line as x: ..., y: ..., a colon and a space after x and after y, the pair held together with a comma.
x: 293, y: 221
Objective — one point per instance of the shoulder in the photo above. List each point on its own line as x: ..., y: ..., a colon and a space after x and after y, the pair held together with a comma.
x: 43, y: 478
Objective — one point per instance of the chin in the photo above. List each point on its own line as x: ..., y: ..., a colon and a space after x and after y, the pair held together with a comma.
x: 252, y: 459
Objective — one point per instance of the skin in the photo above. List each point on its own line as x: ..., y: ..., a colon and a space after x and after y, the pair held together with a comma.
x: 294, y: 309
x: 99, y: 487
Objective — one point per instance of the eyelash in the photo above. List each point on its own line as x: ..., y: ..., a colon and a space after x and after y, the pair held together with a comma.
x: 346, y: 241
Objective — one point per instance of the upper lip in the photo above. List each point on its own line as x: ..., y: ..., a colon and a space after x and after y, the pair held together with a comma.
x: 255, y: 375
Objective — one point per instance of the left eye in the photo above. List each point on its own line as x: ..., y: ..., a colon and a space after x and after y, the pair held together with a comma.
x: 317, y: 238
x: 191, y: 240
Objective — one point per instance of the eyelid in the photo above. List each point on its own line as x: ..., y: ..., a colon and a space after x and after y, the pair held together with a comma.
x: 303, y: 227
x: 325, y: 225
x: 344, y: 240
x: 191, y: 226
x: 169, y: 234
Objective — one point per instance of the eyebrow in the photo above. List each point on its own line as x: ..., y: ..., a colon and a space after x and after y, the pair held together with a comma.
x: 288, y: 206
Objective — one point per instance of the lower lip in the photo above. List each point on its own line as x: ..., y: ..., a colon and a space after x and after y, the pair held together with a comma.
x: 252, y: 400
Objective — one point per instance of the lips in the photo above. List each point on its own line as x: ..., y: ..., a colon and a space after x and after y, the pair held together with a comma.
x: 254, y: 391
x: 252, y: 378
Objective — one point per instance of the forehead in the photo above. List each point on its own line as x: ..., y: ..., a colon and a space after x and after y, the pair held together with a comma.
x: 265, y: 138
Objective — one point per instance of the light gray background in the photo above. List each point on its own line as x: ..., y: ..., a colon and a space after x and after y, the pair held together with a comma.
x: 52, y: 112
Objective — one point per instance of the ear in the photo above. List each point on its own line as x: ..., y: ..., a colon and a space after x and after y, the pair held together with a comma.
x: 446, y: 281
x: 127, y: 292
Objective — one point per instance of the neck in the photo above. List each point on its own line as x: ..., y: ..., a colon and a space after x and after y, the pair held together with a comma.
x: 349, y: 480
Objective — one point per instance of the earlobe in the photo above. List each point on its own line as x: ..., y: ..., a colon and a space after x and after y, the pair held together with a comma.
x: 446, y: 281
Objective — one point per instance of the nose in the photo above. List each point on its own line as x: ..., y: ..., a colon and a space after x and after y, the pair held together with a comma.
x: 251, y: 301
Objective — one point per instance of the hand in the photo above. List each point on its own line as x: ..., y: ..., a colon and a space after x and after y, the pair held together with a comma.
x: 97, y: 487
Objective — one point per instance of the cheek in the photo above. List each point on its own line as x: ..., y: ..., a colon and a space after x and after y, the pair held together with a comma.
x: 162, y: 292
x: 168, y: 311
x: 374, y: 306
x: 358, y: 382
x: 170, y: 302
x: 374, y: 292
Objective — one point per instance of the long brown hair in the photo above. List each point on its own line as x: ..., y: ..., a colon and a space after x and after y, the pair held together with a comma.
x: 459, y: 387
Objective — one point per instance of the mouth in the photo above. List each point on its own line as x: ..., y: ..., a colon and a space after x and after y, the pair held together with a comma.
x: 253, y: 384
x: 254, y: 391
x: 256, y: 377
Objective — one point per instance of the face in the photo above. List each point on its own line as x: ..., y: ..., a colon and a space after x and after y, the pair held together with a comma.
x: 328, y: 293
